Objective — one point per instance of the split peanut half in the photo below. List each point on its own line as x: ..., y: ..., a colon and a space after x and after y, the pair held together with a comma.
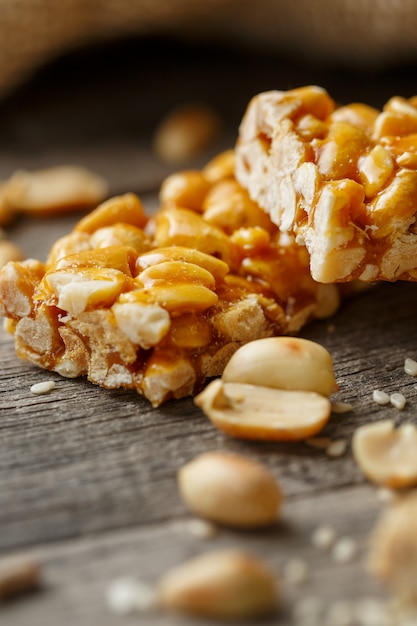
x: 387, y: 456
x: 272, y: 389
x: 255, y: 412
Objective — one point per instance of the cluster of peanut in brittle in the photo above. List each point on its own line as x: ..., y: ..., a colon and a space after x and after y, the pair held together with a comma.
x: 160, y: 303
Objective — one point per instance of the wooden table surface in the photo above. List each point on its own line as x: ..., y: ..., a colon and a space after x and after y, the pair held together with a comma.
x: 88, y: 476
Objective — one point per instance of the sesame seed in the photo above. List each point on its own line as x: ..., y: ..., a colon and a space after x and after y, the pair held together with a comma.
x: 126, y: 596
x: 323, y: 537
x: 344, y: 550
x: 398, y: 400
x: 201, y: 529
x: 44, y: 387
x: 410, y: 367
x: 380, y: 397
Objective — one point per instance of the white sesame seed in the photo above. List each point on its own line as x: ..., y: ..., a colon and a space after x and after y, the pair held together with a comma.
x: 398, y: 400
x: 410, y: 367
x: 380, y: 397
x: 121, y: 596
x: 341, y: 407
x: 323, y: 537
x: 202, y: 529
x: 337, y: 448
x: 126, y: 595
x: 295, y: 571
x: 44, y: 387
x: 344, y: 550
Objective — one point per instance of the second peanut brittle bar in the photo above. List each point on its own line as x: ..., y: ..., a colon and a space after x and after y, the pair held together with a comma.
x: 160, y: 303
x: 342, y: 179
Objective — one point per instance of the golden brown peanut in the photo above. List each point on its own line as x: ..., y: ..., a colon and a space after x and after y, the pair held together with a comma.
x: 220, y: 167
x: 229, y: 207
x: 212, y: 264
x: 283, y: 363
x: 18, y: 574
x: 387, y: 456
x: 230, y: 489
x: 185, y: 190
x: 182, y: 227
x: 375, y: 169
x: 185, y: 132
x: 73, y: 243
x: 121, y: 235
x: 220, y: 585
x: 189, y: 331
x: 392, y: 557
x: 127, y: 209
x: 177, y: 298
x: 175, y: 272
x: 75, y: 290
x: 255, y: 412
x: 119, y: 258
x: 54, y: 190
x: 9, y: 251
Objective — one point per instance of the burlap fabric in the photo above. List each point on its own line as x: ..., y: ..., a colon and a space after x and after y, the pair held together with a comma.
x: 351, y: 32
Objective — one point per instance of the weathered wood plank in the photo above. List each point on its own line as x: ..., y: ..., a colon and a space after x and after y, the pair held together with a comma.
x: 78, y: 573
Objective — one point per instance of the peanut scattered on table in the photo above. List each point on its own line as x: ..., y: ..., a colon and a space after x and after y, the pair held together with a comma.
x: 230, y: 489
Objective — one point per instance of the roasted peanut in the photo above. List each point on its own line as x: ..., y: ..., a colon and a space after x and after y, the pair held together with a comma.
x: 185, y: 132
x: 220, y: 585
x: 230, y: 489
x: 176, y: 272
x: 185, y: 190
x: 182, y: 227
x: 53, y: 190
x: 255, y: 412
x: 283, y: 363
x: 220, y: 167
x: 76, y: 290
x: 127, y: 209
x: 121, y: 235
x: 212, y: 264
x: 387, y: 456
x: 18, y: 574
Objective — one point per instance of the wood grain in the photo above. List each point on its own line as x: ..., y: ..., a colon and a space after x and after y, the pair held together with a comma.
x: 87, y: 475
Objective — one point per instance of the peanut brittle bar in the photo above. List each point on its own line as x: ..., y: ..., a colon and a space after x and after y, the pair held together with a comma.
x: 342, y: 179
x: 160, y: 303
